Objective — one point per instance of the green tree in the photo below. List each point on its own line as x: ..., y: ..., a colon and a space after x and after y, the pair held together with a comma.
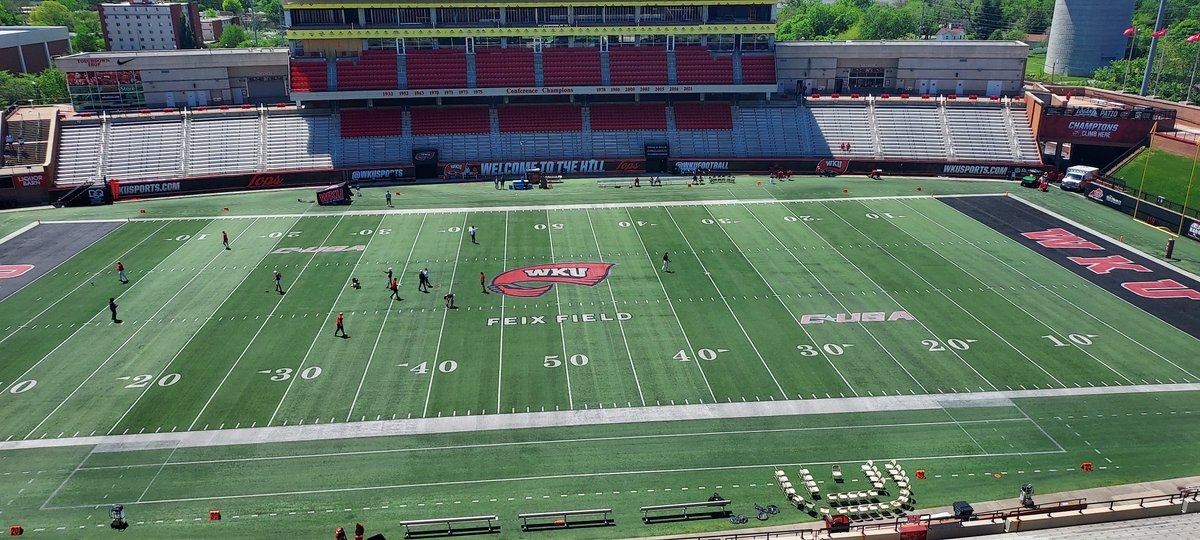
x: 232, y: 5
x: 272, y: 13
x: 52, y: 84
x: 10, y: 15
x: 986, y: 19
x: 883, y: 21
x: 232, y: 36
x: 51, y: 13
x: 16, y: 87
x: 812, y: 19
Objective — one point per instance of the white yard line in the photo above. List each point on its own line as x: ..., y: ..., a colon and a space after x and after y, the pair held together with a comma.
x: 562, y: 332
x: 500, y: 365
x: 266, y: 320
x: 885, y: 293
x: 835, y: 299
x: 667, y: 296
x: 779, y: 297
x: 578, y: 417
x: 727, y: 306
x: 546, y: 442
x: 324, y: 324
x: 20, y: 231
x: 574, y: 476
x: 442, y: 331
x: 107, y: 268
x: 86, y: 324
x: 972, y: 315
x: 160, y: 470
x: 1047, y: 289
x: 168, y: 365
x: 403, y: 272
x: 134, y: 334
x: 620, y: 323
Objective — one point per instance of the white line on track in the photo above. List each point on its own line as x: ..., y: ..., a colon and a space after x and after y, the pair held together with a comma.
x: 87, y: 279
x: 562, y: 332
x: 500, y: 364
x: 544, y: 442
x: 441, y: 331
x: 324, y: 324
x: 779, y: 297
x: 941, y: 292
x: 620, y: 324
x: 884, y: 291
x: 670, y: 304
x: 763, y: 466
x: 582, y: 206
x: 835, y: 299
x: 1039, y: 320
x: 160, y: 470
x: 132, y: 335
x: 84, y: 325
x: 266, y: 320
x: 20, y: 231
x: 399, y: 281
x: 67, y: 479
x: 198, y: 329
x: 727, y: 306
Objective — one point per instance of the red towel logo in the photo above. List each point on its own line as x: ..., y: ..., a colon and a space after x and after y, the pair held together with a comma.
x: 534, y: 281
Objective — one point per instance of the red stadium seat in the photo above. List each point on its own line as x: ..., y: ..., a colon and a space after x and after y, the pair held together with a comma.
x: 372, y: 123
x: 758, y: 69
x: 449, y: 120
x: 436, y: 68
x: 694, y: 64
x: 540, y: 118
x: 497, y: 67
x: 703, y: 115
x: 309, y: 76
x: 373, y: 70
x: 637, y: 65
x: 571, y: 66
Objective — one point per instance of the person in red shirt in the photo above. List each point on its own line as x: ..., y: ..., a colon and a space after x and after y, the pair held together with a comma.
x: 121, y: 273
x: 395, y: 287
x: 225, y: 239
x: 482, y: 284
x: 340, y: 328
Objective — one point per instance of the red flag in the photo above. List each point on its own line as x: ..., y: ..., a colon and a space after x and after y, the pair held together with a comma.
x: 1160, y: 33
x: 1130, y: 31
x: 1193, y: 38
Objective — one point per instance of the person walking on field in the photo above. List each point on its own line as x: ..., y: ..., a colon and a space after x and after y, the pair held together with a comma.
x: 225, y: 239
x: 340, y: 328
x: 278, y: 282
x: 666, y: 267
x: 390, y: 280
x: 112, y: 306
x: 472, y: 231
x: 423, y: 286
x: 395, y: 289
x: 121, y: 273
x: 388, y: 197
x: 482, y: 283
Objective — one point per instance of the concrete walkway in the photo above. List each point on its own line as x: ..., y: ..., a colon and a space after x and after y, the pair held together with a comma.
x: 459, y: 424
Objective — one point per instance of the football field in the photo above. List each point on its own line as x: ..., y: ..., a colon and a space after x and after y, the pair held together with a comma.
x: 560, y: 313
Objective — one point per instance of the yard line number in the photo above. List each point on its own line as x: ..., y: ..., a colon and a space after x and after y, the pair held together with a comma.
x: 144, y: 380
x: 577, y: 360
x: 22, y: 387
x: 639, y: 223
x: 723, y: 221
x: 1082, y: 340
x: 284, y: 373
x: 703, y: 354
x: 542, y: 226
x: 445, y: 366
x: 799, y: 218
x: 953, y: 343
x: 883, y: 215
x: 369, y: 232
x: 831, y: 349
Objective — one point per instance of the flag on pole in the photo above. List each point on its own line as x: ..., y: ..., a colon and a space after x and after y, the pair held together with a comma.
x: 1159, y: 33
x: 1193, y: 38
x: 1130, y: 31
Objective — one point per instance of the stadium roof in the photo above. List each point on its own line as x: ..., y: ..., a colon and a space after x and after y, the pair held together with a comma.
x: 12, y: 36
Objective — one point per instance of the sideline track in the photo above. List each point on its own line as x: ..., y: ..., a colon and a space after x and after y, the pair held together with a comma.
x: 507, y: 421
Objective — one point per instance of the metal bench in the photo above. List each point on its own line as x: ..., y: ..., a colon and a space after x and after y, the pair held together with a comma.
x: 717, y: 508
x: 565, y: 519
x: 645, y: 182
x: 447, y: 525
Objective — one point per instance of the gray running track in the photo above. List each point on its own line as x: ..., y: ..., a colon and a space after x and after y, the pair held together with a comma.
x: 46, y: 246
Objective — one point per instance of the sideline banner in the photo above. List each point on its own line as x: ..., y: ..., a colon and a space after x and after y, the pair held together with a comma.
x: 1146, y: 211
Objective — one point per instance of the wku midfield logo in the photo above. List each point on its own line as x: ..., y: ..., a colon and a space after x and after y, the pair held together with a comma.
x: 534, y: 281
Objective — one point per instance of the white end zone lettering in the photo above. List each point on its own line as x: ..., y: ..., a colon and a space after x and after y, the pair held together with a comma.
x: 869, y: 316
x: 560, y: 319
x: 318, y: 249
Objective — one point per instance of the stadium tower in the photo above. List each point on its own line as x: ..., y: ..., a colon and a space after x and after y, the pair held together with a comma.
x: 1086, y: 35
x: 529, y: 80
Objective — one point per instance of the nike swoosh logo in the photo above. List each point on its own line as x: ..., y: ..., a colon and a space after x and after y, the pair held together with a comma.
x: 123, y: 62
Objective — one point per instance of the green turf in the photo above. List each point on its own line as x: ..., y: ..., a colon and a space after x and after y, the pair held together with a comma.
x: 1168, y: 176
x: 208, y: 345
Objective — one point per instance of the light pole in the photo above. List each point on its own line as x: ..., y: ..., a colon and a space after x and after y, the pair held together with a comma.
x: 37, y: 93
x: 1162, y: 7
x: 1129, y: 60
x: 1192, y: 81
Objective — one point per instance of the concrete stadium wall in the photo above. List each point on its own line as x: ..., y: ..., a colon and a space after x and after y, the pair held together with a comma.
x: 1093, y: 515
